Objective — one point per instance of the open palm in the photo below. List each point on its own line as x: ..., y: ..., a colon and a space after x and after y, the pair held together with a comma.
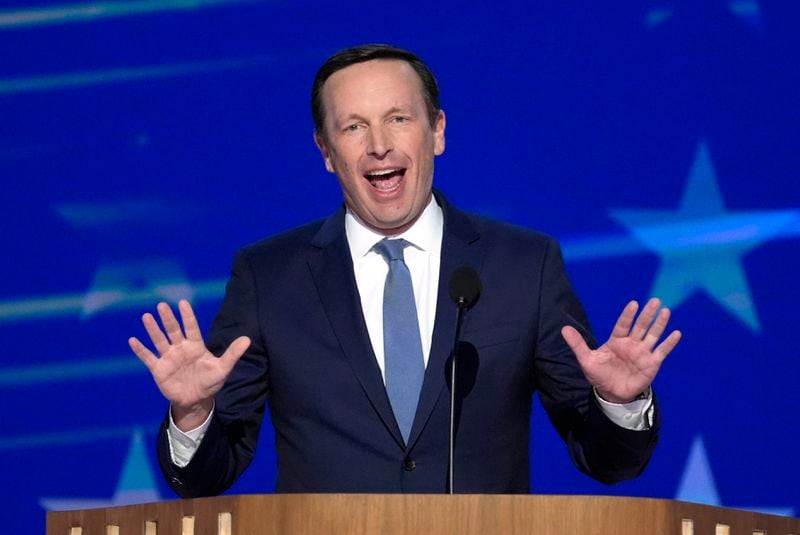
x: 186, y: 372
x: 627, y: 363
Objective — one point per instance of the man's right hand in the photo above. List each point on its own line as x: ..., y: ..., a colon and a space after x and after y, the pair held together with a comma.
x: 187, y: 373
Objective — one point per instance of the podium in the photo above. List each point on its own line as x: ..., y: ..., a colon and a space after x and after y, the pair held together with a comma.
x: 391, y: 514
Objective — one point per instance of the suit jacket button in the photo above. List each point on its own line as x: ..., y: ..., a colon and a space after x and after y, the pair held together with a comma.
x: 409, y: 464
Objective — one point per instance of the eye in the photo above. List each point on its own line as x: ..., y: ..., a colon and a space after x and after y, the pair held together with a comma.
x: 399, y: 119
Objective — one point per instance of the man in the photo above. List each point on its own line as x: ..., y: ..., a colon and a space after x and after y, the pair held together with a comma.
x: 310, y: 324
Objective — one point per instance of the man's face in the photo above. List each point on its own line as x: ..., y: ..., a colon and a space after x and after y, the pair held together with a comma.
x: 379, y: 142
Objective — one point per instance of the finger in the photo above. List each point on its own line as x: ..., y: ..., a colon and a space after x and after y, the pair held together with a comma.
x: 189, y: 321
x: 667, y: 345
x: 171, y: 324
x: 154, y: 331
x: 623, y: 326
x: 144, y: 354
x: 235, y: 351
x: 645, y: 319
x: 576, y: 342
x: 657, y: 328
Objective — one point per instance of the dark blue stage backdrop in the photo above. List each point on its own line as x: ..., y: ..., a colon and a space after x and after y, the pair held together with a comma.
x: 143, y: 142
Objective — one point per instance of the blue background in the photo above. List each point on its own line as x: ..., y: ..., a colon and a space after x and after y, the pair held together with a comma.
x: 143, y: 142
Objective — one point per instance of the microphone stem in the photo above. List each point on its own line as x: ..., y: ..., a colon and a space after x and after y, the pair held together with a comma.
x: 451, y: 454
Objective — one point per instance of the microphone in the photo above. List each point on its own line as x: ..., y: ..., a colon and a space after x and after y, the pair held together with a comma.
x: 465, y: 287
x: 464, y: 290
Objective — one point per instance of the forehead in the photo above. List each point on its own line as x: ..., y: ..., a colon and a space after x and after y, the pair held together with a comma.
x: 372, y: 85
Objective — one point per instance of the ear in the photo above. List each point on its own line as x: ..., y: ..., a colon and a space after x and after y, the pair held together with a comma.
x: 438, y: 133
x: 322, y: 145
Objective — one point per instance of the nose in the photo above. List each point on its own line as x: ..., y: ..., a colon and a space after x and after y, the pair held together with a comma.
x: 379, y: 142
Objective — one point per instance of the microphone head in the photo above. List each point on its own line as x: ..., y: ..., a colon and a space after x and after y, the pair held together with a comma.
x: 465, y: 287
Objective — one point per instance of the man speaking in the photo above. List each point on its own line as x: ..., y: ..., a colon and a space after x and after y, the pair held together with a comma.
x: 344, y: 327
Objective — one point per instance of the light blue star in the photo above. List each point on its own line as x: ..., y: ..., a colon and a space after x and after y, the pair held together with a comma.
x: 701, y: 244
x: 117, y: 283
x: 697, y: 482
x: 136, y: 484
x: 698, y: 486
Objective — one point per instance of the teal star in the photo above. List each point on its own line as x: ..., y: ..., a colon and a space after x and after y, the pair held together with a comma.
x: 701, y: 244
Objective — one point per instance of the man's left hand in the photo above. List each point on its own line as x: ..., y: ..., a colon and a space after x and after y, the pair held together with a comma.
x: 627, y: 363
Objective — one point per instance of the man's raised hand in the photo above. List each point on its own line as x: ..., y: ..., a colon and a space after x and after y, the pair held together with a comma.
x: 187, y: 373
x: 627, y: 363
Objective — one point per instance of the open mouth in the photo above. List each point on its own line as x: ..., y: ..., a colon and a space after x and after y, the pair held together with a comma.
x: 386, y: 179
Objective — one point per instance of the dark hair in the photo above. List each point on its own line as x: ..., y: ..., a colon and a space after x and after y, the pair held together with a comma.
x: 360, y: 54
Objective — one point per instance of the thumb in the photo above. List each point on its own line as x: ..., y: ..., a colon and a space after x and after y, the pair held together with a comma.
x: 576, y: 342
x: 235, y: 351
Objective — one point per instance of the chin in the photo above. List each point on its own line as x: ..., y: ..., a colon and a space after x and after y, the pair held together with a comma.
x: 388, y: 226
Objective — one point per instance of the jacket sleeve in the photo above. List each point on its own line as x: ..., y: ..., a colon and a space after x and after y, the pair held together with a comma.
x: 230, y: 441
x: 597, y: 446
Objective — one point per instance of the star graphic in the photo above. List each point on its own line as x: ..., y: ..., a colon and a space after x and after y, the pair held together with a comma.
x: 701, y: 243
x: 136, y: 484
x: 698, y: 486
x: 697, y: 482
x: 116, y: 284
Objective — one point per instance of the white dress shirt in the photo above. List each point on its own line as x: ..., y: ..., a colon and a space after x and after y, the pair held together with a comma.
x: 423, y: 258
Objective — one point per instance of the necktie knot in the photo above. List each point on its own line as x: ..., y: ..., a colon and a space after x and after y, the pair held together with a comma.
x: 391, y: 249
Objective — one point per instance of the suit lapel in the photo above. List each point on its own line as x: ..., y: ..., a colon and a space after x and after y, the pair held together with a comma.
x: 332, y: 270
x: 460, y: 246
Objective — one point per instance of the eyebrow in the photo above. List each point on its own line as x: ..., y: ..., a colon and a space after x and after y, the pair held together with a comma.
x: 394, y: 110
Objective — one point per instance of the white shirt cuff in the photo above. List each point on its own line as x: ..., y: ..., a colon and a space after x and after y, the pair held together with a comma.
x: 636, y: 415
x: 183, y: 445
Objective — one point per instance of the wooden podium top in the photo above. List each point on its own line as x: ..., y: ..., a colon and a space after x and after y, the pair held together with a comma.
x: 417, y: 514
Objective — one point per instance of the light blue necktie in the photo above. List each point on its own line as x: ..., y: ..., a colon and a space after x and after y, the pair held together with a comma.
x: 404, y: 363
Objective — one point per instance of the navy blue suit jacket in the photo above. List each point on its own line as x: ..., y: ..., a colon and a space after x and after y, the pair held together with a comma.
x: 311, y: 360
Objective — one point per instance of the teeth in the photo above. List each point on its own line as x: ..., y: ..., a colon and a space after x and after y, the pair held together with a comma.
x: 382, y: 173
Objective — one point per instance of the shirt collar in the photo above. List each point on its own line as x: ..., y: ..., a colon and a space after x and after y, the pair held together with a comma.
x: 424, y: 234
